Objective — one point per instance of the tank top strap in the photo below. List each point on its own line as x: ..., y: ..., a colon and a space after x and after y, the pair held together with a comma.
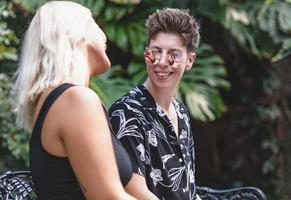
x: 51, y: 98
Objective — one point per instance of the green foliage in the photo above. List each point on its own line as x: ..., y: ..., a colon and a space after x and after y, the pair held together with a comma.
x: 262, y: 30
x: 12, y: 139
x: 263, y: 27
x: 126, y: 1
x: 200, y: 86
x: 30, y: 5
x: 124, y: 25
x: 108, y: 88
x: 267, y: 30
x: 7, y: 36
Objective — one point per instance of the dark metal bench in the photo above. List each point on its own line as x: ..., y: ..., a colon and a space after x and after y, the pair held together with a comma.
x: 240, y: 193
x: 18, y: 185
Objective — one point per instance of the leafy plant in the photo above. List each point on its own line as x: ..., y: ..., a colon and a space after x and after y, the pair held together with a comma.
x: 7, y: 36
x: 258, y: 35
x: 200, y: 86
x: 12, y: 139
x: 110, y: 89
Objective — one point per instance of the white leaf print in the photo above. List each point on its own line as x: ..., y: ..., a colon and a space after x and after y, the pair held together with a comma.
x: 165, y: 158
x: 138, y: 114
x: 152, y: 138
x: 124, y: 129
x: 143, y: 156
x: 182, y: 115
x: 191, y: 174
x: 183, y: 135
x: 140, y: 172
x: 127, y: 100
x: 158, y: 129
x: 156, y: 176
x: 135, y: 91
x: 176, y: 175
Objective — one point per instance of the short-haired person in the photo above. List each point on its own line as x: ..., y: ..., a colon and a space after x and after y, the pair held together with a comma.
x: 151, y: 124
x: 71, y: 147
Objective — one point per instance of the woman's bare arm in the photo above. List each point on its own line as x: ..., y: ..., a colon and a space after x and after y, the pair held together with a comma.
x: 137, y: 187
x: 86, y: 137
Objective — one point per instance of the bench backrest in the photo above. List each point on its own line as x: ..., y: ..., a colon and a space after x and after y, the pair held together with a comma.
x: 16, y: 185
x: 240, y: 193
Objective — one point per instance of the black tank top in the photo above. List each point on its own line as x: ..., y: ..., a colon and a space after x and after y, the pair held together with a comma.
x: 53, y: 176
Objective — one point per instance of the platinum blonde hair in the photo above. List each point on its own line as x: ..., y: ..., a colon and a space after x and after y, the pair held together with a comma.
x: 51, y: 55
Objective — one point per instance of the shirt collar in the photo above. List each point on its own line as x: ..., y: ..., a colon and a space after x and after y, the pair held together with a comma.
x: 146, y: 99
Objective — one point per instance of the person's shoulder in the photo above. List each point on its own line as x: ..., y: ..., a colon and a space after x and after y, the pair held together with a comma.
x: 82, y: 96
x: 78, y: 104
x: 126, y: 101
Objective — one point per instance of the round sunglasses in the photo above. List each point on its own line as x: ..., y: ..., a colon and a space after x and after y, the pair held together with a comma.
x: 154, y: 56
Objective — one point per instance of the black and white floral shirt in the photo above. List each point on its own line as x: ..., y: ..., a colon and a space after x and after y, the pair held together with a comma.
x: 166, y: 162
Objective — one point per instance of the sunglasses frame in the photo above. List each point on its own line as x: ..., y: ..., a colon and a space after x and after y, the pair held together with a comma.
x: 150, y: 57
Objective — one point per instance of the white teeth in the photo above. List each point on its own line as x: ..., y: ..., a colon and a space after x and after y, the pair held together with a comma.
x: 163, y: 73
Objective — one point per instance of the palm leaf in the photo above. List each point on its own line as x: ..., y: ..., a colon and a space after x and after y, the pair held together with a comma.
x: 200, y: 86
x: 110, y: 86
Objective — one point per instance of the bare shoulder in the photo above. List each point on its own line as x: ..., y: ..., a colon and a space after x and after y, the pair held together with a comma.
x: 80, y: 105
x: 81, y: 97
x: 82, y: 94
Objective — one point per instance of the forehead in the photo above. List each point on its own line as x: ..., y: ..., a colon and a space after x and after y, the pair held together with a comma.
x: 168, y: 41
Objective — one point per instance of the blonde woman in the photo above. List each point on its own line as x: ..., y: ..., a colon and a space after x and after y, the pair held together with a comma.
x: 71, y: 146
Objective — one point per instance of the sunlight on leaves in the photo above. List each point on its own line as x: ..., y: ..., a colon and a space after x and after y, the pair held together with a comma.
x: 126, y: 1
x: 199, y: 107
x: 237, y: 15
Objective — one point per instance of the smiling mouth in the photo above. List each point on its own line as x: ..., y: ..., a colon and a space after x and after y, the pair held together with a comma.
x: 164, y: 74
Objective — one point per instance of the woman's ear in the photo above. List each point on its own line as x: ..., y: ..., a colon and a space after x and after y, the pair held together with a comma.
x: 190, y: 60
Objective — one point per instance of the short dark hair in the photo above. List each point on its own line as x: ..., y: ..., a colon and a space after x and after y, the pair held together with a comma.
x: 174, y: 20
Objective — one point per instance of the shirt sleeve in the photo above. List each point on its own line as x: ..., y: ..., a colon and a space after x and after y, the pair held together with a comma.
x: 127, y: 128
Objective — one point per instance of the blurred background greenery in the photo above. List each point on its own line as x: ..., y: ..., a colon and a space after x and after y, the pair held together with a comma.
x: 238, y: 91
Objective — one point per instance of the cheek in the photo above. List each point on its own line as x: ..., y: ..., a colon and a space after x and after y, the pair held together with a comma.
x: 102, y: 62
x: 98, y: 60
x: 180, y: 72
x: 150, y: 68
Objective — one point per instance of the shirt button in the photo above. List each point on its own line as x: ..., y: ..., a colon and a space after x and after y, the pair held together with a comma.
x: 180, y: 160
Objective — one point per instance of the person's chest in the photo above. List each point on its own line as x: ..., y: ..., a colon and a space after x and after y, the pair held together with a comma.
x: 166, y: 150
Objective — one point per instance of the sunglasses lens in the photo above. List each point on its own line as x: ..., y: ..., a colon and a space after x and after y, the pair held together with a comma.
x: 150, y: 57
x: 171, y: 59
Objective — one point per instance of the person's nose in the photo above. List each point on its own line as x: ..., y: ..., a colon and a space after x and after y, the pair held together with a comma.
x: 164, y: 59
